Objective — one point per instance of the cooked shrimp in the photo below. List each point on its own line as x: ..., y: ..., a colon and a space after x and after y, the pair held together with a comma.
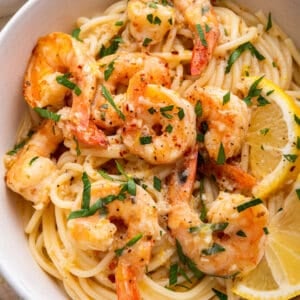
x: 132, y: 218
x: 149, y: 21
x: 227, y: 123
x: 58, y: 54
x: 229, y: 177
x: 201, y: 18
x: 31, y: 173
x: 235, y: 248
x: 160, y: 125
x: 123, y: 67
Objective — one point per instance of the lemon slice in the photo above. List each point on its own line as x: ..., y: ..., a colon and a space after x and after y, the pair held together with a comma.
x: 277, y: 276
x: 274, y: 156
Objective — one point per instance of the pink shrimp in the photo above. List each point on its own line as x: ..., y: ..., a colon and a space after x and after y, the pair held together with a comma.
x: 203, y: 22
x: 237, y: 247
x: 55, y: 56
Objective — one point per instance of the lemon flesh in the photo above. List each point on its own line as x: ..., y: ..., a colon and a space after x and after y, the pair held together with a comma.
x: 274, y: 157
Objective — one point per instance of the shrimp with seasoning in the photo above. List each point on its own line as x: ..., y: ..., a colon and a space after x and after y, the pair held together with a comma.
x: 149, y: 21
x: 160, y: 125
x: 58, y: 54
x: 130, y: 228
x: 236, y: 247
x: 122, y: 67
x: 226, y: 124
x: 202, y: 20
x: 30, y: 173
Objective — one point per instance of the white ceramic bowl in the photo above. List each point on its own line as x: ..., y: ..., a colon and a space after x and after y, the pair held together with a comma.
x: 34, y: 19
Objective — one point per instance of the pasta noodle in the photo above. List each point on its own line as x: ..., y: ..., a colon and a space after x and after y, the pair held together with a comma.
x: 86, y: 273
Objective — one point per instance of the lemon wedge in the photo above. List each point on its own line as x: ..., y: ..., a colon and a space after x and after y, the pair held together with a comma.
x: 277, y: 276
x: 273, y: 137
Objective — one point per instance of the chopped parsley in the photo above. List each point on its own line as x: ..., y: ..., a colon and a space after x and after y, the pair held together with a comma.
x: 33, y: 160
x: 169, y: 128
x: 130, y: 243
x: 298, y: 193
x: 119, y: 23
x: 112, y: 48
x: 157, y: 183
x: 75, y: 34
x: 173, y: 274
x: 108, y: 71
x: 180, y: 113
x: 198, y: 109
x: 269, y: 23
x: 219, y: 294
x: 109, y: 98
x: 105, y: 175
x: 201, y: 35
x: 214, y: 249
x: 20, y: 145
x: 78, y: 152
x: 226, y: 98
x: 241, y: 233
x: 144, y: 140
x: 248, y: 204
x: 264, y: 131
x: 64, y: 80
x: 221, y: 155
x: 86, y: 193
x: 46, y: 114
x: 153, y: 20
x: 238, y: 52
x: 290, y: 157
x: 266, y: 230
x: 253, y: 91
x: 146, y: 42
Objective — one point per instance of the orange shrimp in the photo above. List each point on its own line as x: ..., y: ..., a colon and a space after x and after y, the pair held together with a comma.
x: 222, y: 253
x: 58, y: 54
x: 203, y: 22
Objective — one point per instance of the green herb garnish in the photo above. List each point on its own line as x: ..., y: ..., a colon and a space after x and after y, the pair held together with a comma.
x: 47, y: 114
x: 221, y: 155
x: 185, y: 260
x: 75, y: 34
x: 130, y: 243
x: 78, y: 152
x: 119, y: 23
x: 104, y: 51
x: 266, y: 230
x: 248, y: 204
x: 198, y: 109
x: 201, y: 35
x: 264, y: 131
x: 144, y: 140
x: 33, y: 160
x: 173, y: 274
x: 180, y: 113
x: 238, y: 52
x: 253, y: 91
x: 290, y: 157
x: 105, y: 175
x: 108, y: 71
x: 215, y: 248
x: 241, y: 233
x: 146, y: 42
x: 86, y: 193
x: 109, y: 98
x: 169, y: 128
x: 226, y: 98
x: 270, y: 23
x: 157, y: 183
x: 298, y: 193
x: 64, y: 80
x: 219, y: 294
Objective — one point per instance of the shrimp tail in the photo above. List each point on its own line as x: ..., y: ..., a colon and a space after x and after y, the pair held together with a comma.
x: 91, y: 135
x: 126, y: 282
x: 183, y: 178
x: 203, y: 51
x: 239, y: 179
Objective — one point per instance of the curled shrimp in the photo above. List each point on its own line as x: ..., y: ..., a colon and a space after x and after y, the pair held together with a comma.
x: 59, y: 54
x: 202, y: 20
x: 237, y: 247
x: 123, y: 67
x: 134, y: 218
x: 32, y: 170
x: 226, y: 123
x: 160, y: 125
x: 149, y: 21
